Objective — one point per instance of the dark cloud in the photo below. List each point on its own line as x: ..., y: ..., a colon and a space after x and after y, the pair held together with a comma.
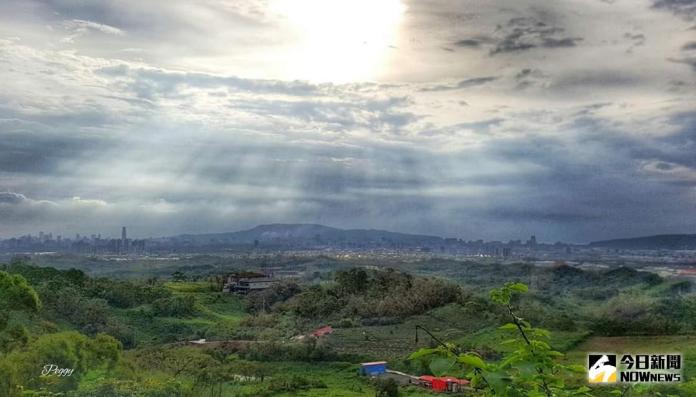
x: 689, y: 46
x: 636, y: 39
x: 473, y: 82
x: 528, y: 77
x: 691, y: 61
x: 585, y: 181
x: 664, y: 166
x: 525, y: 33
x: 685, y: 138
x: 12, y: 198
x: 468, y: 43
x: 32, y: 153
x: 482, y: 126
x: 580, y: 79
x: 683, y: 8
x: 542, y: 215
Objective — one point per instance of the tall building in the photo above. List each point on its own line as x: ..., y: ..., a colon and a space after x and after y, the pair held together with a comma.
x: 124, y: 247
x: 532, y: 241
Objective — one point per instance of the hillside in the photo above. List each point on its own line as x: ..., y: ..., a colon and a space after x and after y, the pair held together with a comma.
x: 664, y: 241
x: 135, y: 336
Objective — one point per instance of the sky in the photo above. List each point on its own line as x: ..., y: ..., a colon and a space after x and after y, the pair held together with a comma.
x: 570, y: 120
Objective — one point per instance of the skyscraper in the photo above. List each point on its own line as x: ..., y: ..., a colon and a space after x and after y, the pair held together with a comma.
x: 124, y: 247
x: 532, y: 241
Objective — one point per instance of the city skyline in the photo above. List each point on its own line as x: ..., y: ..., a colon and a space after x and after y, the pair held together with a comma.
x: 124, y: 237
x: 49, y: 235
x: 571, y: 120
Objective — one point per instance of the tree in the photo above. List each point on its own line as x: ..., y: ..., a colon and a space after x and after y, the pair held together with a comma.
x: 69, y: 350
x: 175, y: 306
x: 178, y: 276
x: 16, y: 294
x: 353, y: 281
x: 386, y: 388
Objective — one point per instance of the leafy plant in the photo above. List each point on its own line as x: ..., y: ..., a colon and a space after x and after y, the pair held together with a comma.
x: 530, y: 369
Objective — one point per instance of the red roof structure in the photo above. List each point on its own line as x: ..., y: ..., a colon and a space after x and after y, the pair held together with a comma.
x: 443, y: 384
x: 323, y: 331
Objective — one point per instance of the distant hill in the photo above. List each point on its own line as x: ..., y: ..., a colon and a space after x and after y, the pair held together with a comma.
x: 664, y: 241
x: 310, y: 235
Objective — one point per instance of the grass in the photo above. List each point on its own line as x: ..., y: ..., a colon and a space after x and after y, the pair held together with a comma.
x: 397, y: 341
x: 340, y: 379
x: 218, y: 315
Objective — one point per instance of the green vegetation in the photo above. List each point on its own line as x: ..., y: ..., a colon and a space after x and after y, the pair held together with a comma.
x: 530, y: 368
x: 131, y: 336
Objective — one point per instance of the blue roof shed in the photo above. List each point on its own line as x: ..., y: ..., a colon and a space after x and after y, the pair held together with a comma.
x: 373, y: 369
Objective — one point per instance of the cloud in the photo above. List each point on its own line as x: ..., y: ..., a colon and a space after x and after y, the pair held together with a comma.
x: 473, y: 82
x: 595, y: 78
x: 468, y: 43
x: 543, y: 215
x: 528, y: 77
x: 691, y: 61
x: 526, y: 33
x: 150, y: 82
x: 636, y: 38
x: 12, y: 198
x: 683, y: 8
x: 78, y: 28
x: 192, y: 118
x: 82, y: 26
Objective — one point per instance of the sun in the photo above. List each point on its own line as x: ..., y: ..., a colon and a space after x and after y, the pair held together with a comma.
x: 340, y: 40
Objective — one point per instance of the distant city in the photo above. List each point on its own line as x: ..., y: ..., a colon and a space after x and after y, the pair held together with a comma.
x: 92, y: 244
x: 95, y: 244
x: 298, y: 237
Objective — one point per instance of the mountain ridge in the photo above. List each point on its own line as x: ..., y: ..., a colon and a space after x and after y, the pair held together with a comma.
x: 658, y: 241
x: 303, y: 234
x: 311, y: 234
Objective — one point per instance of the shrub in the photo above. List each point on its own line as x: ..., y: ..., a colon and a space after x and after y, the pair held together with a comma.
x: 294, y: 383
x: 15, y: 293
x: 386, y: 388
x: 175, y: 306
x: 127, y: 388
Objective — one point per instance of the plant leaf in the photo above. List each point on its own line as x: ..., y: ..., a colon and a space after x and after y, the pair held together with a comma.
x: 441, y: 366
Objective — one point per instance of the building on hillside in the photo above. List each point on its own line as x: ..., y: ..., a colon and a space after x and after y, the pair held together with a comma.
x: 244, y: 283
x: 443, y: 384
x: 376, y: 368
x: 323, y: 331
